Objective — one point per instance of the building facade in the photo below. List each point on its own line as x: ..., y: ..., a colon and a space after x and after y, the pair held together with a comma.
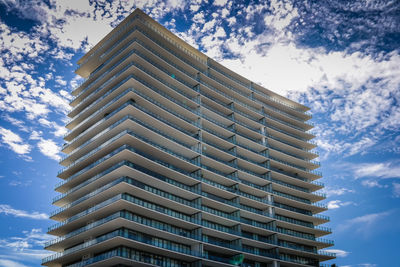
x: 174, y: 160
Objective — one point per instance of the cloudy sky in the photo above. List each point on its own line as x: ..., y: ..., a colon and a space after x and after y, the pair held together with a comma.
x: 340, y: 58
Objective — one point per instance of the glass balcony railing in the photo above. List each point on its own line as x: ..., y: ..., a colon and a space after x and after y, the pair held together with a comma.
x: 306, y: 201
x: 298, y: 260
x: 230, y: 164
x: 296, y: 176
x: 127, y: 147
x: 254, y: 210
x: 236, y: 101
x: 218, y: 185
x: 103, y: 85
x: 262, y: 188
x: 167, y: 61
x: 291, y: 186
x: 154, y: 115
x: 258, y: 130
x: 143, y: 238
x: 102, y: 109
x: 261, y: 164
x: 295, y: 233
x: 132, y: 182
x: 228, y: 175
x: 219, y: 227
x: 303, y: 235
x: 294, y: 155
x: 298, y: 210
x: 83, y: 229
x: 133, y: 134
x: 262, y: 176
x: 131, y: 199
x: 217, y: 146
x: 301, y: 211
x: 302, y: 223
x: 247, y: 86
x: 220, y: 213
x: 119, y: 73
x: 250, y: 148
x: 253, y: 99
x: 175, y: 113
x: 131, y: 254
x: 162, y: 69
x: 296, y: 166
x: 173, y: 52
x: 107, y: 116
x: 258, y: 251
x: 254, y: 129
x: 86, y: 212
x: 290, y: 134
x: 219, y: 199
x: 229, y: 129
x: 112, y: 38
x: 257, y: 224
x: 253, y: 197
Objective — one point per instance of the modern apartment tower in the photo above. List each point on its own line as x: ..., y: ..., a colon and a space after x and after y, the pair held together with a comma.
x: 174, y: 160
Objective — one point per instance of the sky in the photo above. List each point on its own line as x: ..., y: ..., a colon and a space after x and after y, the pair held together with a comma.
x: 340, y: 58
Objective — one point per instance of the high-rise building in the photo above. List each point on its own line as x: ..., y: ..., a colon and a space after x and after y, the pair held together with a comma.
x: 174, y: 160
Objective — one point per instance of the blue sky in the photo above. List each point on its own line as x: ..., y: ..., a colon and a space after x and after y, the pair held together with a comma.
x: 340, y: 58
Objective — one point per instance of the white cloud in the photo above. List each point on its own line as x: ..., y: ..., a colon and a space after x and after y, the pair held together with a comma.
x: 339, y: 252
x: 194, y: 8
x: 19, y: 123
x: 337, y: 191
x: 59, y: 131
x: 35, y: 135
x: 220, y: 33
x: 379, y: 170
x: 281, y: 16
x: 220, y: 2
x: 335, y: 204
x: 11, y: 263
x: 14, y: 141
x: 363, y: 224
x: 60, y: 81
x: 8, y: 210
x: 49, y: 148
x: 372, y: 183
x: 27, y: 247
x: 396, y: 189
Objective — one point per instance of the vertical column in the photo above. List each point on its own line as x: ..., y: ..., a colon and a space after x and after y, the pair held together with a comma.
x: 197, y: 188
x: 271, y: 209
x: 197, y: 247
x: 232, y: 127
x: 233, y: 162
x: 238, y: 229
x: 233, y: 150
x: 237, y: 243
x: 236, y: 214
x: 198, y: 76
x: 231, y: 106
x: 234, y: 188
x: 234, y: 176
x: 196, y: 160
